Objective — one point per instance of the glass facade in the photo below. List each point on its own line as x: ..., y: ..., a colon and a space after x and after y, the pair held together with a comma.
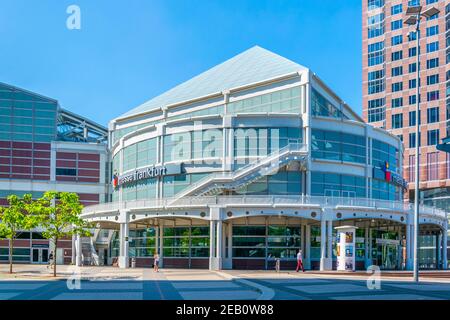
x: 320, y: 106
x: 337, y: 185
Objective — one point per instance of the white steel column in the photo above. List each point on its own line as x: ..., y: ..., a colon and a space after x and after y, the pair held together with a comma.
x: 161, y: 244
x: 219, y: 246
x: 74, y: 249
x: 307, y: 253
x: 123, y: 258
x: 323, y: 244
x: 444, y: 246
x: 211, y: 244
x: 367, y: 262
x: 79, y: 256
x: 330, y: 240
x: 409, y: 247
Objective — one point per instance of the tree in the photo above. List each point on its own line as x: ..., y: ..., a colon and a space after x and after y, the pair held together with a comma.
x: 59, y: 217
x: 17, y: 216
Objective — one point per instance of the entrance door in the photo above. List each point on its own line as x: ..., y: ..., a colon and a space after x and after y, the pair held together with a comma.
x: 40, y: 255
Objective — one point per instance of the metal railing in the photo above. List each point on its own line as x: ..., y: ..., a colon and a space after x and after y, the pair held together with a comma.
x: 205, y: 201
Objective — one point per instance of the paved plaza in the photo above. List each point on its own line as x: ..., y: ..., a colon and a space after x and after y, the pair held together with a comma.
x: 33, y: 282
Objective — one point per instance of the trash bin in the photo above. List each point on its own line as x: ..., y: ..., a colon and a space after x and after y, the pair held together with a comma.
x: 133, y: 263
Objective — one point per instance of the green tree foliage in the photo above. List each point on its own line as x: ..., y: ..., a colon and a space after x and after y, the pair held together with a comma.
x: 16, y: 217
x: 59, y: 216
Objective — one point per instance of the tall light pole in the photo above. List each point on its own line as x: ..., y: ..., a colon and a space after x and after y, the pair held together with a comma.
x: 414, y: 15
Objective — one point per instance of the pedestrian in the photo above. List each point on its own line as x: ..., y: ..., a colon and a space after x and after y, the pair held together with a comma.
x: 156, y: 262
x: 50, y: 260
x: 277, y: 264
x: 299, y: 261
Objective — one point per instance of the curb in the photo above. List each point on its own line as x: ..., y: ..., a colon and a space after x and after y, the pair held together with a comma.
x: 265, y: 292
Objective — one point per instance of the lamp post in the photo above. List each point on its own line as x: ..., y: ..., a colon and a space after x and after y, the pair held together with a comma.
x: 414, y: 15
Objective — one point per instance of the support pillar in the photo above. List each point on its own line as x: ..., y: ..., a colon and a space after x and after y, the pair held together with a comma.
x: 307, y: 253
x: 228, y: 257
x: 324, y: 261
x: 74, y: 249
x: 367, y: 261
x: 123, y: 257
x: 330, y: 240
x: 79, y: 256
x: 161, y: 245
x: 219, y: 246
x: 409, y: 247
x: 212, y: 237
x: 444, y: 247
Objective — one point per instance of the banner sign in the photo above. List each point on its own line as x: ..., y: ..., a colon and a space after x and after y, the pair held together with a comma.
x: 145, y: 173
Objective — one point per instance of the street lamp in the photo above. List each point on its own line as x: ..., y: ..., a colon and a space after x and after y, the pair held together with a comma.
x: 414, y: 15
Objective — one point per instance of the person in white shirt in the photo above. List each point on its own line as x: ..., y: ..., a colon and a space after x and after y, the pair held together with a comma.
x: 299, y: 261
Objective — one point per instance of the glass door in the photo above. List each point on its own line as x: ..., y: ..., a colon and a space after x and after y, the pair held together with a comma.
x: 35, y: 255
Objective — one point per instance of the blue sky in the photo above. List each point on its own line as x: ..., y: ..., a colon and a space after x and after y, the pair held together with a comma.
x: 130, y: 51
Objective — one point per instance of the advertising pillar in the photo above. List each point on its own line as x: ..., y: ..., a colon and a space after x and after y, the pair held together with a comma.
x: 345, y: 246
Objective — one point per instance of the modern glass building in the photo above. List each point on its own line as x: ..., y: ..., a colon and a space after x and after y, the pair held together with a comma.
x: 251, y: 161
x: 45, y: 147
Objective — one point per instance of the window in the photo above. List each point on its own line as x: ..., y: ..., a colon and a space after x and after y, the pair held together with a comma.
x: 397, y: 55
x: 397, y: 102
x: 412, y: 118
x: 412, y: 67
x: 376, y: 81
x: 433, y: 79
x: 396, y: 24
x: 397, y: 86
x: 413, y: 99
x: 412, y: 140
x: 431, y: 1
x: 400, y: 136
x: 432, y: 95
x: 396, y: 9
x: 66, y: 172
x: 433, y: 46
x: 395, y: 40
x: 412, y: 83
x: 375, y: 25
x: 374, y: 4
x: 397, y: 121
x: 432, y: 166
x: 412, y: 36
x: 397, y: 71
x: 411, y: 166
x: 412, y: 52
x: 431, y: 31
x: 433, y: 115
x: 432, y: 63
x: 376, y: 110
x: 433, y: 137
x: 376, y: 53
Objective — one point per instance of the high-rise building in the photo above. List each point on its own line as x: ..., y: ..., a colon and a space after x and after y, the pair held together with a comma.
x: 45, y: 147
x: 390, y: 93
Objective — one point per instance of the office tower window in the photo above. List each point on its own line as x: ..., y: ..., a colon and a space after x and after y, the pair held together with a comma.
x: 397, y: 121
x: 412, y: 36
x: 397, y: 55
x: 374, y: 4
x: 376, y: 53
x: 376, y: 110
x: 397, y: 86
x: 411, y: 167
x: 412, y: 52
x: 435, y: 16
x: 395, y: 40
x: 396, y: 24
x: 447, y: 165
x: 413, y: 99
x: 433, y: 115
x: 412, y: 83
x: 432, y: 95
x: 433, y: 30
x: 413, y: 3
x: 397, y: 71
x: 412, y: 140
x: 433, y: 79
x: 433, y: 137
x: 433, y: 46
x: 432, y: 166
x: 412, y: 118
x: 397, y: 102
x: 396, y: 9
x: 375, y: 25
x: 412, y: 67
x: 432, y: 63
x: 376, y: 81
x: 431, y: 1
x: 400, y: 136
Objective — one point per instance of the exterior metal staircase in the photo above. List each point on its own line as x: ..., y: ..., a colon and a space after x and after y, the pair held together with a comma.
x: 216, y: 183
x: 88, y: 252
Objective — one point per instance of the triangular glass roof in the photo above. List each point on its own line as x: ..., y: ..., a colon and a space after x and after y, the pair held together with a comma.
x: 253, y: 65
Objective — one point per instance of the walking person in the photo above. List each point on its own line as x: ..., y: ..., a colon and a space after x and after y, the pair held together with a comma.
x: 299, y: 261
x: 156, y: 262
x: 50, y: 260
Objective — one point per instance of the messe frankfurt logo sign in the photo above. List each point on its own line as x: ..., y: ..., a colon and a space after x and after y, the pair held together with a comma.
x: 389, y: 176
x: 145, y: 173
